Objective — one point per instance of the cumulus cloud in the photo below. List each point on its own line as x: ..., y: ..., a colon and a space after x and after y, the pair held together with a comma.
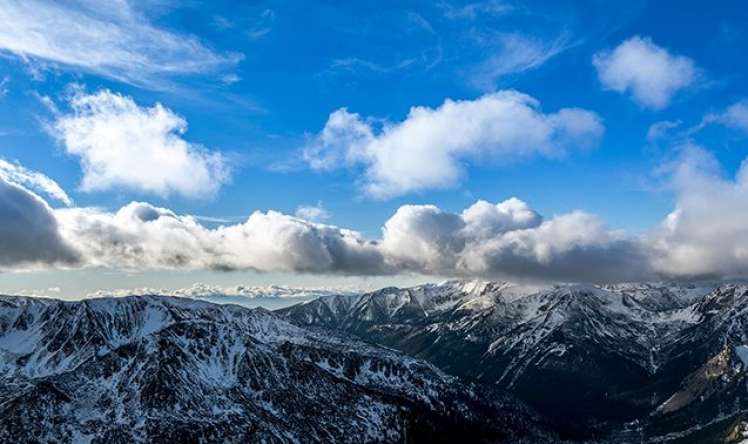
x: 28, y: 231
x: 509, y: 240
x: 114, y: 40
x: 501, y: 126
x: 650, y: 73
x: 505, y: 240
x: 121, y: 144
x: 141, y: 236
x: 706, y: 234
x: 570, y: 247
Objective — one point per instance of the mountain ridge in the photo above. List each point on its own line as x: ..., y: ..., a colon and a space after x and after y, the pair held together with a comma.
x: 597, y: 356
x: 153, y: 368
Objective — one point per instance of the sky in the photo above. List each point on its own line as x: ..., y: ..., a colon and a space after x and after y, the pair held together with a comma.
x: 359, y: 145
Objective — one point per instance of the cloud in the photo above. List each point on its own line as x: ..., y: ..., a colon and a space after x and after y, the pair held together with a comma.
x: 262, y: 25
x: 509, y: 240
x: 504, y: 240
x: 354, y: 63
x: 312, y: 213
x: 651, y: 74
x: 121, y: 144
x: 514, y: 54
x: 15, y: 173
x: 572, y: 247
x: 500, y: 126
x: 735, y: 117
x: 471, y: 11
x: 28, y: 231
x: 4, y: 86
x: 141, y: 236
x: 706, y: 234
x: 660, y: 130
x: 114, y: 41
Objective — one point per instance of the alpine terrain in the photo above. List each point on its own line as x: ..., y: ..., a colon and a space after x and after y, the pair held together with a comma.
x: 609, y: 363
x: 163, y: 369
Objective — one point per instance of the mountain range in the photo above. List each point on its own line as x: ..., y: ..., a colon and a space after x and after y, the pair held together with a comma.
x: 164, y: 369
x: 613, y: 363
x: 466, y: 361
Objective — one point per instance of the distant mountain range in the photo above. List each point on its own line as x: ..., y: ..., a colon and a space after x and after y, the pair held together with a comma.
x: 461, y: 361
x: 616, y: 363
x: 270, y: 296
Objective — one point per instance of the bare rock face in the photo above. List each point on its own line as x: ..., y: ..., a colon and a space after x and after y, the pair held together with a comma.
x: 161, y: 369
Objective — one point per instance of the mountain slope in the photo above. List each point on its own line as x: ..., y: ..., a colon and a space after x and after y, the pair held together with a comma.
x: 593, y: 357
x: 145, y: 369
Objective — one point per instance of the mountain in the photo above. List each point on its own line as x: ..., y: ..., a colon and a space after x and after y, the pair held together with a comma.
x: 163, y: 369
x: 271, y: 296
x: 606, y: 362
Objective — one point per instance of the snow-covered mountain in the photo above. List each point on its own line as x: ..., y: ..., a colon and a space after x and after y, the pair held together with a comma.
x: 271, y: 296
x: 605, y: 361
x: 163, y: 369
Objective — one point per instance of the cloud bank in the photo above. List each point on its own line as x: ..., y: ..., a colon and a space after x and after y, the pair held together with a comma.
x: 705, y: 236
x: 501, y: 126
x: 650, y: 73
x: 141, y: 236
x: 121, y: 144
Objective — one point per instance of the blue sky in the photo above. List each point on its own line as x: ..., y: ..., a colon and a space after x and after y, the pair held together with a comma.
x: 254, y: 86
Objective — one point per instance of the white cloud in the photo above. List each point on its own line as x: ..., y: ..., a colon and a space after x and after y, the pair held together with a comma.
x: 423, y: 237
x: 471, y: 11
x: 651, y: 74
x: 484, y: 220
x: 509, y: 240
x: 17, y: 174
x: 141, y: 236
x: 571, y: 247
x: 354, y: 63
x: 706, y: 235
x: 514, y: 54
x: 4, y: 86
x: 735, y: 117
x: 312, y: 213
x: 660, y: 130
x: 121, y: 144
x: 505, y: 240
x: 262, y: 25
x: 113, y: 40
x: 502, y: 126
